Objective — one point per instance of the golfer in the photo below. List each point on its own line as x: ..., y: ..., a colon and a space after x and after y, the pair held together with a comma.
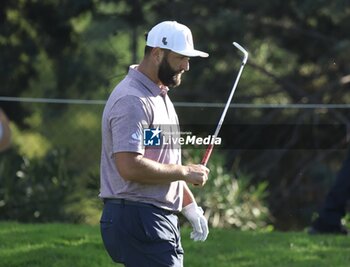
x: 143, y: 185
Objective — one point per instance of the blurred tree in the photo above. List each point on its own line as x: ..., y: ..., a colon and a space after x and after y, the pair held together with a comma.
x: 298, y: 49
x: 299, y: 53
x: 29, y: 29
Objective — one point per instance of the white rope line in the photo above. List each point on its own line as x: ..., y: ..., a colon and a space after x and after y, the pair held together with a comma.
x: 52, y: 100
x: 180, y: 104
x: 257, y: 106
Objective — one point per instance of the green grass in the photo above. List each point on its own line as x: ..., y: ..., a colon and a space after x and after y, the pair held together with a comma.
x: 65, y: 245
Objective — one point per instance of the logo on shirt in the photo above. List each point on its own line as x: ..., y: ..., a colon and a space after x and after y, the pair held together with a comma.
x: 135, y: 138
x: 151, y: 137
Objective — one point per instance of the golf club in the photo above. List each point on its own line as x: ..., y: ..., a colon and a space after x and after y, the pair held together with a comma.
x: 211, y: 146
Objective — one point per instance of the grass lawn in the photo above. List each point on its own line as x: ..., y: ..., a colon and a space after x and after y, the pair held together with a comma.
x: 66, y: 245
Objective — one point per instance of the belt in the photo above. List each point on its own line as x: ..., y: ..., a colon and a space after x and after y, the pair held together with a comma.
x: 126, y: 202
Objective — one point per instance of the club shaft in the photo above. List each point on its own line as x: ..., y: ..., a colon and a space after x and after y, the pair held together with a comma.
x: 223, y: 115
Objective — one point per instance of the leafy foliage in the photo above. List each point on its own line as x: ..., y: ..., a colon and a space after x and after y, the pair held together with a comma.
x: 35, y: 190
x: 228, y: 201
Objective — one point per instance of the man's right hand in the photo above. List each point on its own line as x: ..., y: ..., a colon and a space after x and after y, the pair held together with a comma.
x: 196, y: 174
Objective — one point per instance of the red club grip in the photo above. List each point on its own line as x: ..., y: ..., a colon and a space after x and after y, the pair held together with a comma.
x: 207, y: 155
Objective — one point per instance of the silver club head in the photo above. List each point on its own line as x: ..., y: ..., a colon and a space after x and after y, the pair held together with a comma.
x: 243, y: 51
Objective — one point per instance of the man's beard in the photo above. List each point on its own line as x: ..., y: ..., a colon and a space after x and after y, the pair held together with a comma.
x: 167, y: 75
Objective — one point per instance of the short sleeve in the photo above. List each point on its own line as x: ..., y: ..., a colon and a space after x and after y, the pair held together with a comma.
x: 127, y: 120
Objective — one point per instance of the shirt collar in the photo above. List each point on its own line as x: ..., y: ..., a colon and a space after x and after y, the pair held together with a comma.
x: 147, y: 82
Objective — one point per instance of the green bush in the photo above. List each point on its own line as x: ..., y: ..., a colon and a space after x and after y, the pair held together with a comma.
x: 37, y: 189
x: 44, y: 190
x: 228, y: 201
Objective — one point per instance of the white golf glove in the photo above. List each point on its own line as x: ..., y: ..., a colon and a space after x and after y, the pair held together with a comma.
x: 194, y: 215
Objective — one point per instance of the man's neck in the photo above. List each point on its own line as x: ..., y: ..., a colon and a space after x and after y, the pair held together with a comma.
x: 147, y: 69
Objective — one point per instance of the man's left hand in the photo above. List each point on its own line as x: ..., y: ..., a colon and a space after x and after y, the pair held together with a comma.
x: 194, y: 215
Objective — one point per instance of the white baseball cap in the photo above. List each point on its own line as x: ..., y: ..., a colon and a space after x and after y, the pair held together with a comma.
x: 175, y: 37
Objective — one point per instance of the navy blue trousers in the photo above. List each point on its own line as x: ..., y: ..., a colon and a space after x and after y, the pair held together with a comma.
x: 334, y: 206
x: 141, y: 235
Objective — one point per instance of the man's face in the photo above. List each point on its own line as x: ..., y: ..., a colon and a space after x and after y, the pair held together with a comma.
x: 171, y: 68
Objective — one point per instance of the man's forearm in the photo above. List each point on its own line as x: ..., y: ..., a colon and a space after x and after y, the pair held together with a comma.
x: 143, y: 170
x: 134, y: 167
